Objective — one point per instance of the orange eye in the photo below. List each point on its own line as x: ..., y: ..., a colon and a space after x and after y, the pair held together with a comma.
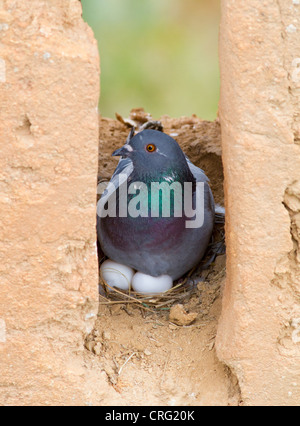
x: 150, y: 147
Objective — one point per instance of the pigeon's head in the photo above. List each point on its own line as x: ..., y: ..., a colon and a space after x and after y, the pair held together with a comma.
x: 154, y: 150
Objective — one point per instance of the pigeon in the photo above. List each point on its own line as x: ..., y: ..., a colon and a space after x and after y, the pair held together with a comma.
x: 155, y: 235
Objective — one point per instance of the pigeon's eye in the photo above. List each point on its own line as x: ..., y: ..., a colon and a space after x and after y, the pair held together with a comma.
x: 150, y: 147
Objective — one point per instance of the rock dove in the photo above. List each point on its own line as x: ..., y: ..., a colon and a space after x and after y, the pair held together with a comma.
x: 150, y: 242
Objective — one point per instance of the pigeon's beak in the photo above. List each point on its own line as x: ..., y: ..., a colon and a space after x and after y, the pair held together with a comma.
x: 125, y: 151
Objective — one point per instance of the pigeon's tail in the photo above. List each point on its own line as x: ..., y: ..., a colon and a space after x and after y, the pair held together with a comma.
x: 220, y: 210
x: 219, y: 214
x: 217, y: 244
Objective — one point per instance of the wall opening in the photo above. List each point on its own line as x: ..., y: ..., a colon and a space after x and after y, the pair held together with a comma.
x: 161, y: 350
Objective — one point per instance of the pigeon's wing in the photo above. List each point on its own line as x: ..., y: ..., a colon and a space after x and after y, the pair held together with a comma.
x: 124, y: 167
x: 200, y: 176
x: 198, y: 173
x: 121, y: 174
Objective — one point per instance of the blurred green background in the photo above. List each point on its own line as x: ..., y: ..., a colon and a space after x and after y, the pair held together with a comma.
x: 161, y: 55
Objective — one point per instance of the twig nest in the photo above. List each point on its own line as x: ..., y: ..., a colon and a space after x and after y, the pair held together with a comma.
x: 179, y: 316
x: 116, y: 274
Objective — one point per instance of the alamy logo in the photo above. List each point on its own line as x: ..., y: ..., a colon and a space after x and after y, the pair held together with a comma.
x: 162, y: 199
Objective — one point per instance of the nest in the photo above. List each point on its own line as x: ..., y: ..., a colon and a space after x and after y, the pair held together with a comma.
x: 186, y: 287
x: 183, y: 289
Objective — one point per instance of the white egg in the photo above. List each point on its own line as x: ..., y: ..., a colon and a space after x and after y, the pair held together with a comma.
x: 146, y: 284
x: 116, y: 274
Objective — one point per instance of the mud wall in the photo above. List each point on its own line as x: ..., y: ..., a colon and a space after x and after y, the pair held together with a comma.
x: 48, y: 175
x: 259, y: 332
x: 49, y: 76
